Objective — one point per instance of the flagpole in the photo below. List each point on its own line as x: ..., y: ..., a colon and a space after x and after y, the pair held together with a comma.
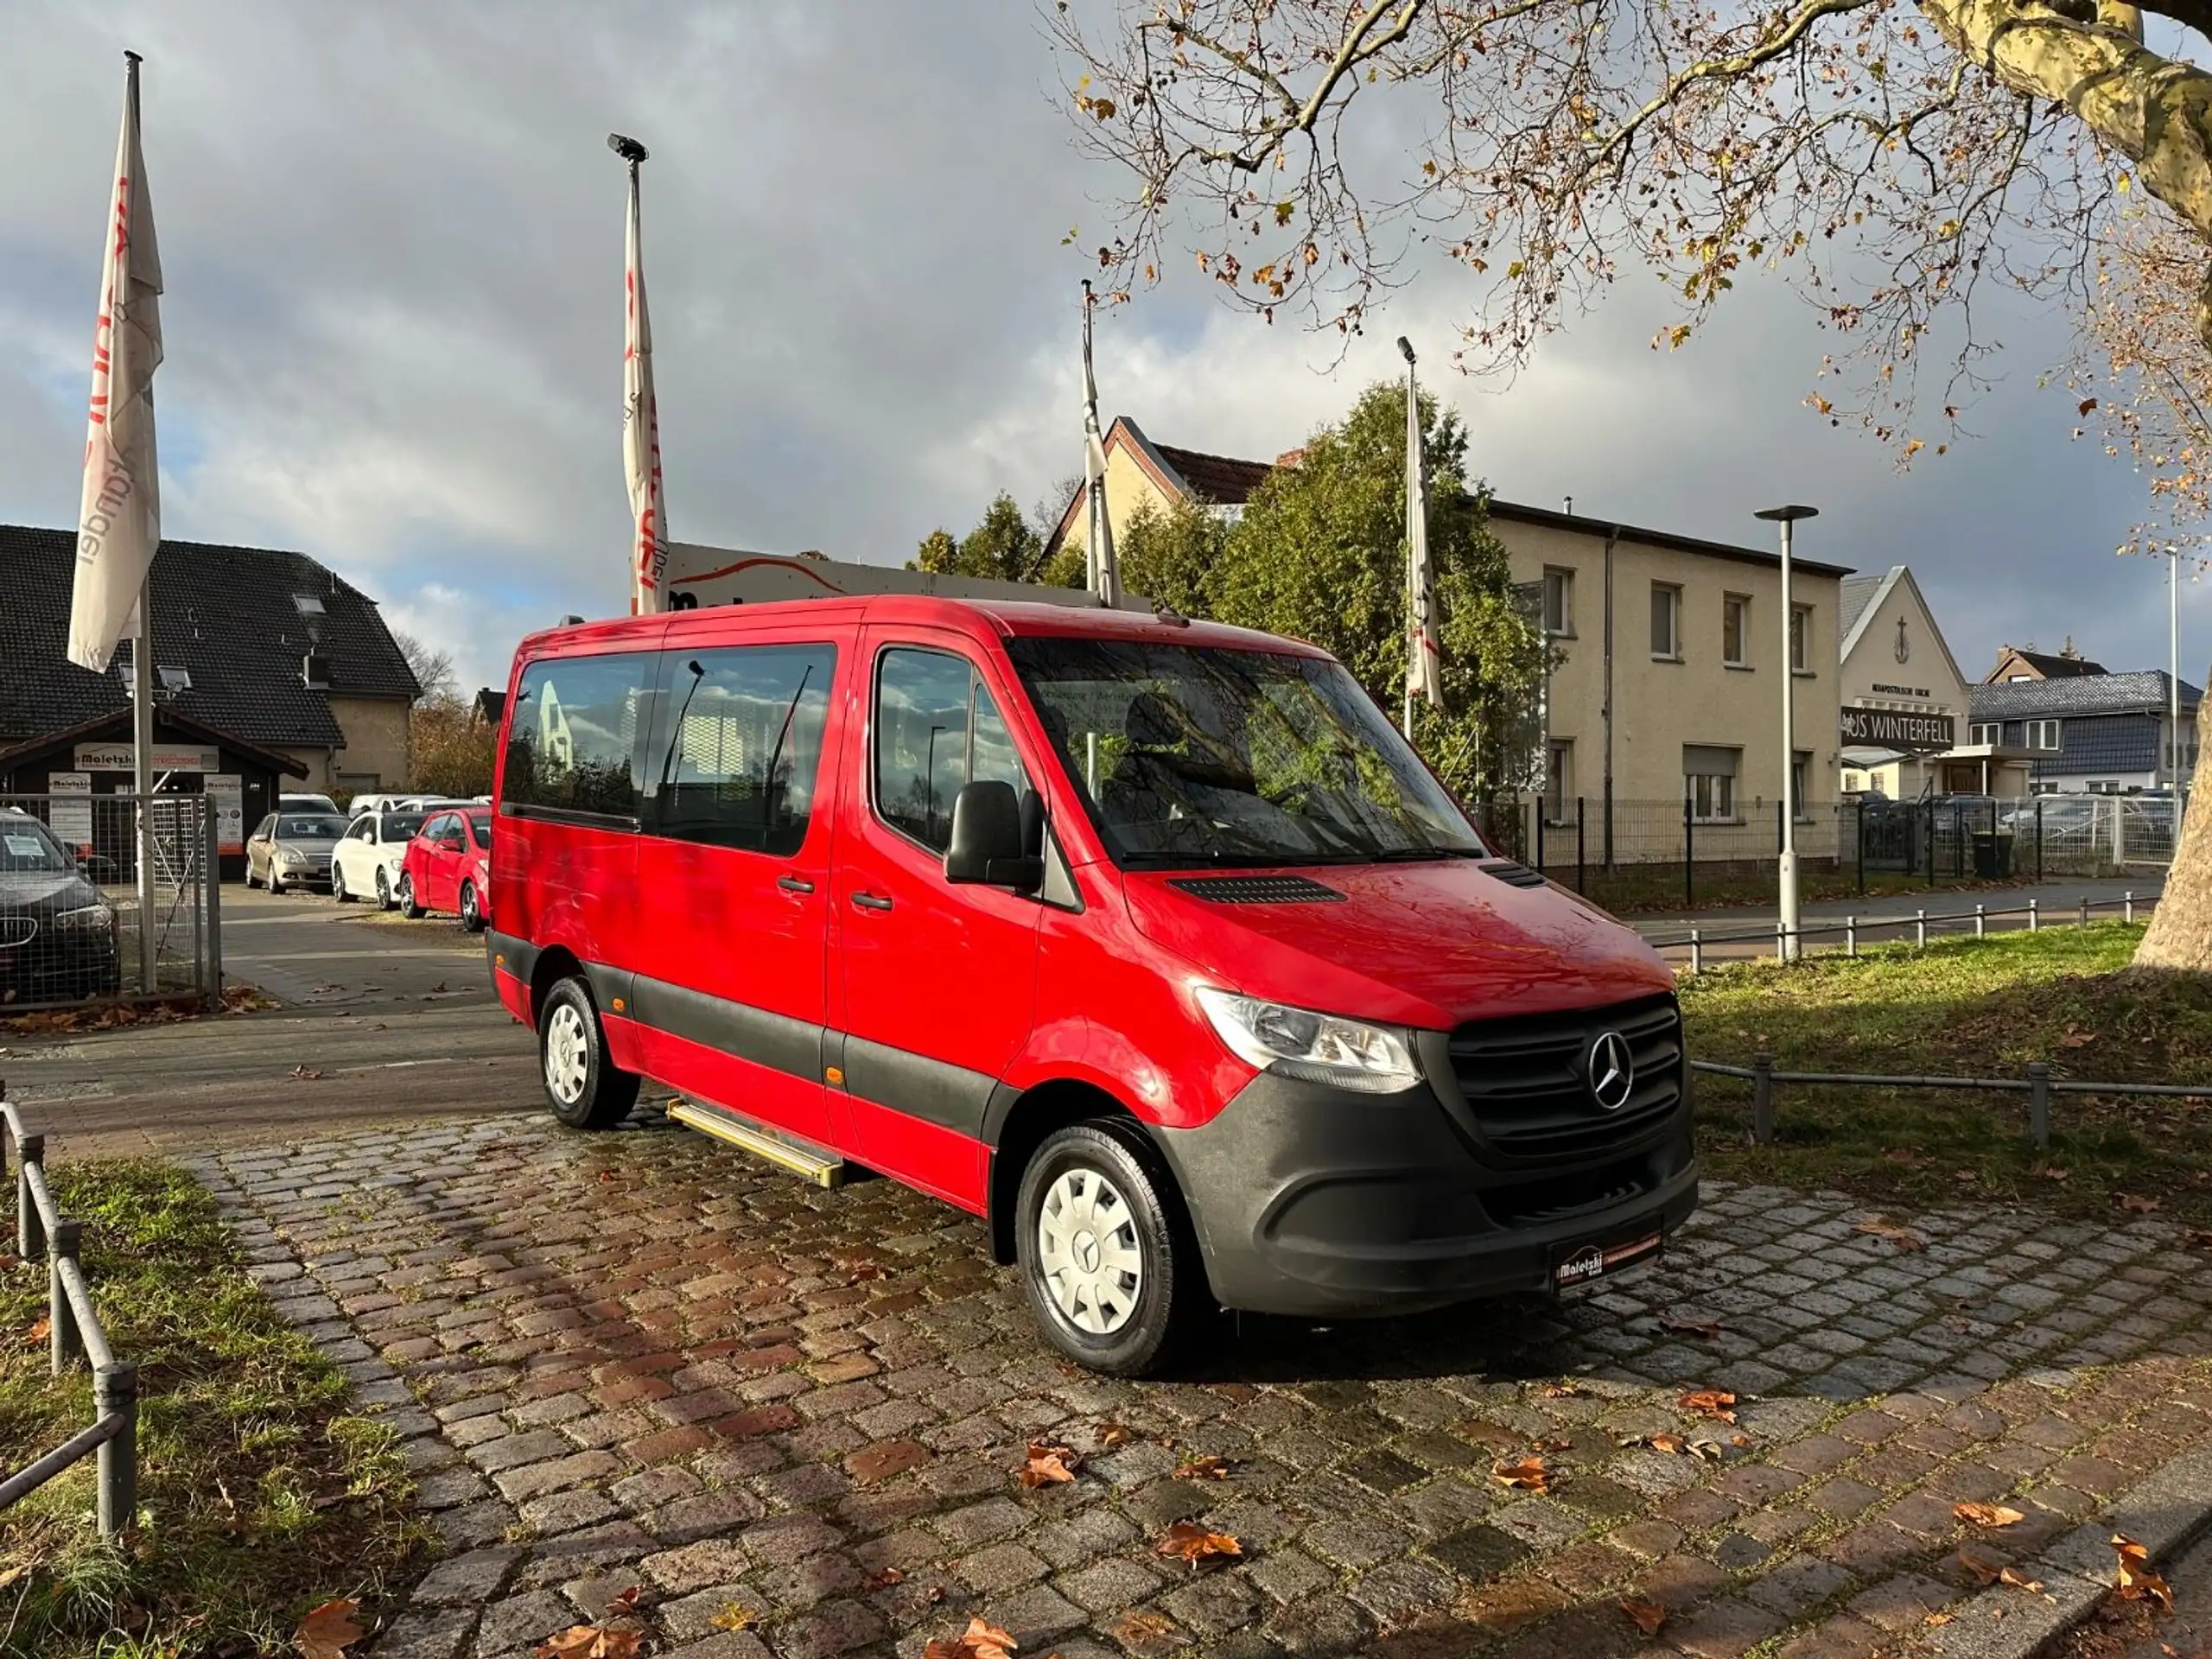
x: 1413, y: 506
x: 141, y: 704
x: 1103, y: 576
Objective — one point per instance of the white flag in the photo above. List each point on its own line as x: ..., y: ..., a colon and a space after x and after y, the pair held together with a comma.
x: 119, y: 523
x: 1104, y: 569
x: 641, y: 436
x: 1424, y: 655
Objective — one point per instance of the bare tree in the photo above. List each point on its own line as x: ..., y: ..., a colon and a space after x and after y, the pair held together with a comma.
x: 433, y: 668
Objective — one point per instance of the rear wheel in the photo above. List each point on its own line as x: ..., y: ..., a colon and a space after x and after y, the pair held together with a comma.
x: 585, y: 1088
x: 1107, y: 1263
x: 338, y: 884
x: 405, y: 898
x: 471, y: 917
x: 384, y: 889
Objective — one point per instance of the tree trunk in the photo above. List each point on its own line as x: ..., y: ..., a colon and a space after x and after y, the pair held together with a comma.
x: 2180, y: 934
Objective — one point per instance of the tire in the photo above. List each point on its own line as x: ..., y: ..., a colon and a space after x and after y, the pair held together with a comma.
x: 404, y: 898
x: 250, y: 882
x: 1129, y: 1323
x: 585, y: 1089
x: 384, y: 889
x: 338, y: 885
x: 471, y: 918
x: 276, y: 881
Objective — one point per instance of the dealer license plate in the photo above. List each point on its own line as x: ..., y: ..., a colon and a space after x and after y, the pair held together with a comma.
x: 1583, y: 1263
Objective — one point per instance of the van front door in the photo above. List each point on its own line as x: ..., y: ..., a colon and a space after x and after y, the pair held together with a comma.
x: 734, y: 875
x: 937, y: 982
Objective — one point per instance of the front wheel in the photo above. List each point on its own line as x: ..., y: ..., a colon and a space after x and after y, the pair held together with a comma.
x: 338, y: 885
x: 472, y: 916
x: 384, y: 889
x: 1107, y: 1263
x: 408, y: 906
x: 276, y: 881
x: 585, y: 1088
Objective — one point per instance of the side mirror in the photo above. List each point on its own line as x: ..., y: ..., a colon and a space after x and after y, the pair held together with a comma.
x: 986, y: 848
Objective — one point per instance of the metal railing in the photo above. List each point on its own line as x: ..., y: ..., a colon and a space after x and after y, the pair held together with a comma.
x: 74, y: 1333
x: 1698, y: 939
x: 2039, y: 1085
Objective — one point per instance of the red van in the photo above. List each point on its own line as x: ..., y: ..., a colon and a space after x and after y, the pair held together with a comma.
x: 1149, y: 940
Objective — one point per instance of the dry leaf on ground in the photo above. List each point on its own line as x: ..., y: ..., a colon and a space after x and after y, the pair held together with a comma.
x: 1529, y: 1474
x: 1904, y: 1238
x: 978, y: 1640
x: 2137, y: 1582
x: 1718, y: 1404
x: 305, y: 1073
x: 1649, y: 1615
x: 9, y: 1259
x: 884, y: 1578
x: 1142, y: 1625
x: 1673, y: 1444
x: 1988, y: 1515
x: 2135, y: 1203
x: 2053, y: 1173
x: 39, y: 1330
x: 627, y: 1602
x: 1691, y: 1325
x: 734, y: 1616
x: 2193, y: 1238
x: 1565, y: 1388
x: 1906, y: 1156
x: 2019, y: 1580
x: 1552, y: 1443
x: 590, y: 1642
x: 1193, y: 1543
x: 328, y: 1631
x: 1047, y: 1464
x: 2074, y: 1037
x: 1113, y: 1435
x: 1207, y: 1468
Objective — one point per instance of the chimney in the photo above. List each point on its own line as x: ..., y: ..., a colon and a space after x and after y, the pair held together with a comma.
x: 2068, y: 651
x: 315, y: 672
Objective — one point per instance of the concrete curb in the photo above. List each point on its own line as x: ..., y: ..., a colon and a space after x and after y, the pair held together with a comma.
x: 2165, y: 1512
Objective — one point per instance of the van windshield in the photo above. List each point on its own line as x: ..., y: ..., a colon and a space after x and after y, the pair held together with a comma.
x: 1190, y: 756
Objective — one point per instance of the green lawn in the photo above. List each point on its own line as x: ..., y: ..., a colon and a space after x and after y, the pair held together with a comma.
x: 1965, y: 1007
x: 260, y: 1494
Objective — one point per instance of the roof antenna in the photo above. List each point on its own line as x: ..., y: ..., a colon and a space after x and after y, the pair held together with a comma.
x: 1570, y: 506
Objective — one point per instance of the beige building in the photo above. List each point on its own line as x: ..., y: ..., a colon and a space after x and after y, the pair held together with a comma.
x: 1906, y: 705
x: 1689, y: 631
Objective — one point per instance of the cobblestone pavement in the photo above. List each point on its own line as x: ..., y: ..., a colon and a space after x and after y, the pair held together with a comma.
x: 641, y: 1358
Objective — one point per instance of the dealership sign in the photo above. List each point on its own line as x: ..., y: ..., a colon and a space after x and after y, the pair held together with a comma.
x: 1887, y: 729
x: 168, y: 757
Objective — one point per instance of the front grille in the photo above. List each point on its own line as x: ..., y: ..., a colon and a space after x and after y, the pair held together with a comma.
x: 1524, y: 1080
x: 16, y: 930
x: 1257, y: 889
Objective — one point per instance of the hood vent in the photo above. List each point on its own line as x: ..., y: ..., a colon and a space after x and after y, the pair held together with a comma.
x: 1257, y: 889
x: 1514, y: 876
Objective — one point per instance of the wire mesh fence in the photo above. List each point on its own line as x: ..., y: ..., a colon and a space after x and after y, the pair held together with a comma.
x: 77, y: 924
x: 1645, y: 853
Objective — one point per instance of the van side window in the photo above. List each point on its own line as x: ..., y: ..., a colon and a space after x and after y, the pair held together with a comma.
x: 572, y: 738
x: 738, y: 754
x: 936, y: 729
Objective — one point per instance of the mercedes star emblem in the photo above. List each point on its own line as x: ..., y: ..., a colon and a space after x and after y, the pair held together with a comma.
x: 1611, y: 1070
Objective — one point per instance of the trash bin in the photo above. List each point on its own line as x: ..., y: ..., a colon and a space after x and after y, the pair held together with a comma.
x: 1993, y: 854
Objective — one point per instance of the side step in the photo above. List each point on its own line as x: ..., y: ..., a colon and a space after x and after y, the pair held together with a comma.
x: 816, y: 1164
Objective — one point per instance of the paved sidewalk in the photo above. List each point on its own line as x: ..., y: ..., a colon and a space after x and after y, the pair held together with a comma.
x: 639, y: 1358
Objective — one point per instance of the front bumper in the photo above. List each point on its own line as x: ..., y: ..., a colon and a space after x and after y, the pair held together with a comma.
x: 1322, y: 1203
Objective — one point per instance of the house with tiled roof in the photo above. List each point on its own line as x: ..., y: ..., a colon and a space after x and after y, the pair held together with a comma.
x: 2099, y: 733
x: 270, y: 648
x: 2026, y: 662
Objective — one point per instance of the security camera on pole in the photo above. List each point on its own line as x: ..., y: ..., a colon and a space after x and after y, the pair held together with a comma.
x: 1792, y: 945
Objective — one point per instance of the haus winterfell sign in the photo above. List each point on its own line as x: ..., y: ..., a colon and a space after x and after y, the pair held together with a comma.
x: 1907, y: 733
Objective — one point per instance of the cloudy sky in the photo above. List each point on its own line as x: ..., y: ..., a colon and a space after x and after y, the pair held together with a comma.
x: 391, y: 237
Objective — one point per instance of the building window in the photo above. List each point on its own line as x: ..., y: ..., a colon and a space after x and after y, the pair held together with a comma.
x: 1801, y: 784
x: 1666, y: 621
x: 2043, y: 734
x: 1558, y: 603
x: 1709, y: 780
x: 1735, y: 630
x: 1991, y: 734
x: 1559, y: 780
x: 1801, y: 634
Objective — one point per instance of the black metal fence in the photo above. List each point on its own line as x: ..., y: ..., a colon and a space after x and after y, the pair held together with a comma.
x: 77, y: 925
x: 1644, y: 852
x: 74, y: 1336
x: 1851, y: 931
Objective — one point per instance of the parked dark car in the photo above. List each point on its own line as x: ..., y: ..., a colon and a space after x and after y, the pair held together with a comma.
x: 57, y: 934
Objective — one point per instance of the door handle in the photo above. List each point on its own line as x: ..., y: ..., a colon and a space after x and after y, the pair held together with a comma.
x: 794, y: 883
x: 871, y: 900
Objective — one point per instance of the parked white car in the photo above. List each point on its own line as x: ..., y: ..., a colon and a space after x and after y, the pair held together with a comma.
x: 306, y: 803
x: 365, y: 862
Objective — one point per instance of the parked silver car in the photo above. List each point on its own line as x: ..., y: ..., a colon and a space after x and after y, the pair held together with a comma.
x: 292, y: 850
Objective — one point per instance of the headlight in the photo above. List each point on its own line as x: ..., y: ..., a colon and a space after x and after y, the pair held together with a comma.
x: 88, y: 917
x: 291, y: 855
x: 1312, y: 1047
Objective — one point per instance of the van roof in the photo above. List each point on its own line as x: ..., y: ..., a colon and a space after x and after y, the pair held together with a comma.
x: 1008, y: 618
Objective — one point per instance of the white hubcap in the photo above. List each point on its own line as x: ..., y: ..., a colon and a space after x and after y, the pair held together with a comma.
x: 1087, y: 1245
x: 566, y: 1045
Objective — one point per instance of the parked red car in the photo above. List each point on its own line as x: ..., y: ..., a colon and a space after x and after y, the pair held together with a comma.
x: 1149, y: 940
x: 447, y: 866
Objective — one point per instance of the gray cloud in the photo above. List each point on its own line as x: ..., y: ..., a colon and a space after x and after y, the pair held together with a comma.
x: 393, y: 245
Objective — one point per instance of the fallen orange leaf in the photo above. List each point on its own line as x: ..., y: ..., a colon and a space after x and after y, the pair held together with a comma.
x: 884, y: 1578
x: 2136, y: 1204
x: 2197, y: 1238
x: 590, y: 1642
x: 1195, y: 1544
x: 1715, y: 1403
x: 978, y: 1640
x: 1904, y: 1238
x: 2019, y: 1580
x: 1670, y: 1443
x: 40, y: 1330
x: 627, y: 1602
x: 1649, y: 1615
x: 1207, y: 1468
x: 1047, y: 1464
x: 328, y: 1631
x: 1530, y: 1474
x: 1552, y: 1443
x: 1983, y: 1570
x: 1142, y: 1625
x: 1113, y: 1435
x: 1563, y: 1389
x: 2137, y: 1582
x: 1986, y: 1515
x: 734, y: 1616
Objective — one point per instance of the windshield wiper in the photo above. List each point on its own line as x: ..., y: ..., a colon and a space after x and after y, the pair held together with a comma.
x: 1421, y: 854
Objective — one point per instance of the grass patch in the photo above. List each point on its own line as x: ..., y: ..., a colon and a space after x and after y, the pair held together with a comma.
x: 260, y: 1494
x: 1965, y: 1007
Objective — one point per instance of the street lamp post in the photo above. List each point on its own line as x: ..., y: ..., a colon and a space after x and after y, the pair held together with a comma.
x: 1786, y: 871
